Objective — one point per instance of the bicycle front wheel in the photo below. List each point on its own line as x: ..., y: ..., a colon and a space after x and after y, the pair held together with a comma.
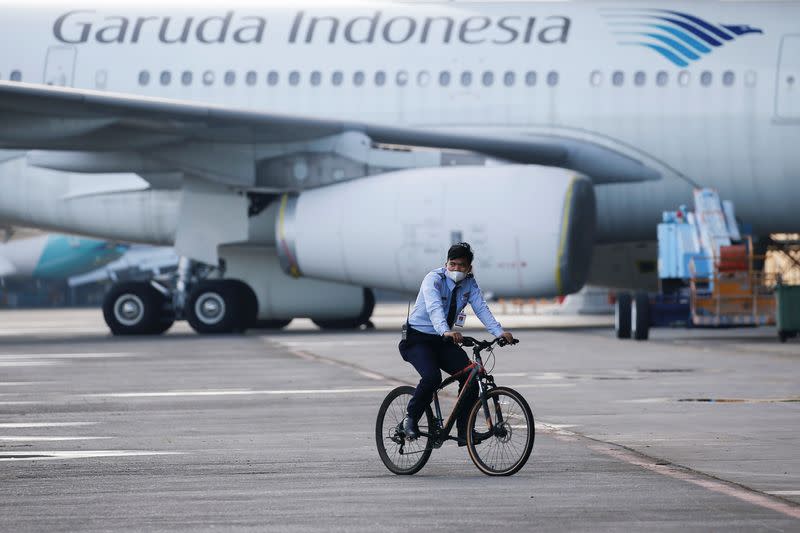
x: 499, y: 442
x: 402, y: 456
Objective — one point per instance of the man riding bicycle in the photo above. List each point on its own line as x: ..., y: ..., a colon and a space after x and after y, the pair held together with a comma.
x: 430, y: 343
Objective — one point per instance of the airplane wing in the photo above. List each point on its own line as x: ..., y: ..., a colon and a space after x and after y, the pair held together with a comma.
x: 39, y: 117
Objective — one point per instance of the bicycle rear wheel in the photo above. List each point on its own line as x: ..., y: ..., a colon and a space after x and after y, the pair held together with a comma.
x: 401, y: 456
x: 504, y: 450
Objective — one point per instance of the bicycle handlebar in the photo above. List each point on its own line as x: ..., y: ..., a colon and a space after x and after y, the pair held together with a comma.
x: 482, y: 345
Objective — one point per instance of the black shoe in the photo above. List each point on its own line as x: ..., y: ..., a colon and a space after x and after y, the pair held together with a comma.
x: 410, y: 428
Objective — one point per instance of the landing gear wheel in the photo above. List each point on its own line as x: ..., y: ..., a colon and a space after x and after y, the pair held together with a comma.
x: 137, y: 308
x: 505, y: 449
x: 622, y: 316
x: 221, y: 306
x: 640, y: 316
x: 363, y: 319
x: 401, y: 456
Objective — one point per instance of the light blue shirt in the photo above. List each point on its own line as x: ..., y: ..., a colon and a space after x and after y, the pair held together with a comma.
x: 433, y: 301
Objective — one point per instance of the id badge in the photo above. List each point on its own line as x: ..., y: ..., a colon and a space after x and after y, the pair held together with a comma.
x: 462, y: 316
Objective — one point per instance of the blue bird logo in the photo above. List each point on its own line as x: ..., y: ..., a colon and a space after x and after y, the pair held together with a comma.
x: 678, y: 37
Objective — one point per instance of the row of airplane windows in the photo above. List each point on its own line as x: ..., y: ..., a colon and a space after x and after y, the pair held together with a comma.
x: 423, y: 78
x: 445, y: 78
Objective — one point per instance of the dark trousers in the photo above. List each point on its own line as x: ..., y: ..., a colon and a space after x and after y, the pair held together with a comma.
x: 428, y: 354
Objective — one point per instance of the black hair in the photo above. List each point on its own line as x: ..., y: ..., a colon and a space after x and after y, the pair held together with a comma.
x: 459, y: 250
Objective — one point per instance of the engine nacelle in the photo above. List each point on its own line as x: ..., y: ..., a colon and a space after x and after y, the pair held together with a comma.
x: 532, y: 228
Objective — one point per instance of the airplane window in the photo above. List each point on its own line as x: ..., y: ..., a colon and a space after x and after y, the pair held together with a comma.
x: 337, y: 78
x: 750, y: 78
x: 402, y: 78
x: 488, y: 78
x: 230, y: 77
x: 684, y: 78
x: 316, y: 78
x: 294, y: 78
x: 466, y: 78
x: 727, y: 78
x: 166, y: 77
x: 617, y: 78
x: 186, y: 77
x: 552, y: 78
x: 509, y: 78
x: 705, y: 78
x: 639, y: 78
x: 530, y: 78
x: 15, y: 75
x: 251, y: 77
x: 596, y: 78
x: 380, y: 78
x: 444, y: 78
x: 144, y: 77
x: 208, y: 77
x: 272, y: 78
x: 358, y: 78
x: 423, y: 78
x: 662, y: 78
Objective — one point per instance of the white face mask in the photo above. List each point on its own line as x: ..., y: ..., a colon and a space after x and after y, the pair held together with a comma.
x: 455, y: 275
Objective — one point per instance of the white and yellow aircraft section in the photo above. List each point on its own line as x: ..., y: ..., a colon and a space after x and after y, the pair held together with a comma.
x: 206, y: 116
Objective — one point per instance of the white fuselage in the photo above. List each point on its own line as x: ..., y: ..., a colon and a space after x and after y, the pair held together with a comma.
x: 730, y: 120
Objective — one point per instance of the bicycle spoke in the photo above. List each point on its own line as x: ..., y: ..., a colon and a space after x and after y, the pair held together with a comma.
x: 509, y: 442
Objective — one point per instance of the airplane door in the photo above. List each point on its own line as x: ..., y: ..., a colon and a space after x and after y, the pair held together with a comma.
x: 787, y: 102
x: 59, y: 67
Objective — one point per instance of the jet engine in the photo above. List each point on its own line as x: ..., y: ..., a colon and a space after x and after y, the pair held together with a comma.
x: 532, y: 228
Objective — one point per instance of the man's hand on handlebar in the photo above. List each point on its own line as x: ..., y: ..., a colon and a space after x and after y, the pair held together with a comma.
x: 454, y: 336
x: 508, y: 337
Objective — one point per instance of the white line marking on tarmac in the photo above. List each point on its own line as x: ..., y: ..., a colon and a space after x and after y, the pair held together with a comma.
x: 328, y: 343
x: 701, y: 481
x: 784, y: 492
x: 47, y: 439
x: 541, y: 385
x: 235, y: 392
x: 16, y: 425
x: 21, y: 383
x: 28, y: 363
x: 55, y: 455
x: 80, y: 355
x: 510, y: 374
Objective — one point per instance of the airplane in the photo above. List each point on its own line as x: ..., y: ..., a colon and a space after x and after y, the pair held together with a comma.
x: 297, y: 155
x: 53, y: 256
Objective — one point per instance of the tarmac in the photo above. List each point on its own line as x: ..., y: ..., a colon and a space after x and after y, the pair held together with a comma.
x: 693, y: 430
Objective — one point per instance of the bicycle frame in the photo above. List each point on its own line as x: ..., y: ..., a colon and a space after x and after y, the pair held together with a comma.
x: 441, y: 431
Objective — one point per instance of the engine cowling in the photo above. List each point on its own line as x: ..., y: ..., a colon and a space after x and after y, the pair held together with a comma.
x: 532, y: 228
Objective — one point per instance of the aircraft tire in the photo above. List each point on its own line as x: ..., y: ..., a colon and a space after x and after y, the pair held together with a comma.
x: 221, y: 306
x: 363, y: 319
x: 136, y: 308
x: 622, y: 316
x: 640, y: 316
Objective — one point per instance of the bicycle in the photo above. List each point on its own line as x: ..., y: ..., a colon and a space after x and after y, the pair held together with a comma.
x: 499, y: 445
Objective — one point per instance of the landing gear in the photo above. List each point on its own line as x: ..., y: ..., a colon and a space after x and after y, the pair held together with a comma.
x: 632, y: 316
x: 640, y: 316
x: 363, y: 318
x: 622, y: 316
x: 221, y: 306
x: 137, y: 308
